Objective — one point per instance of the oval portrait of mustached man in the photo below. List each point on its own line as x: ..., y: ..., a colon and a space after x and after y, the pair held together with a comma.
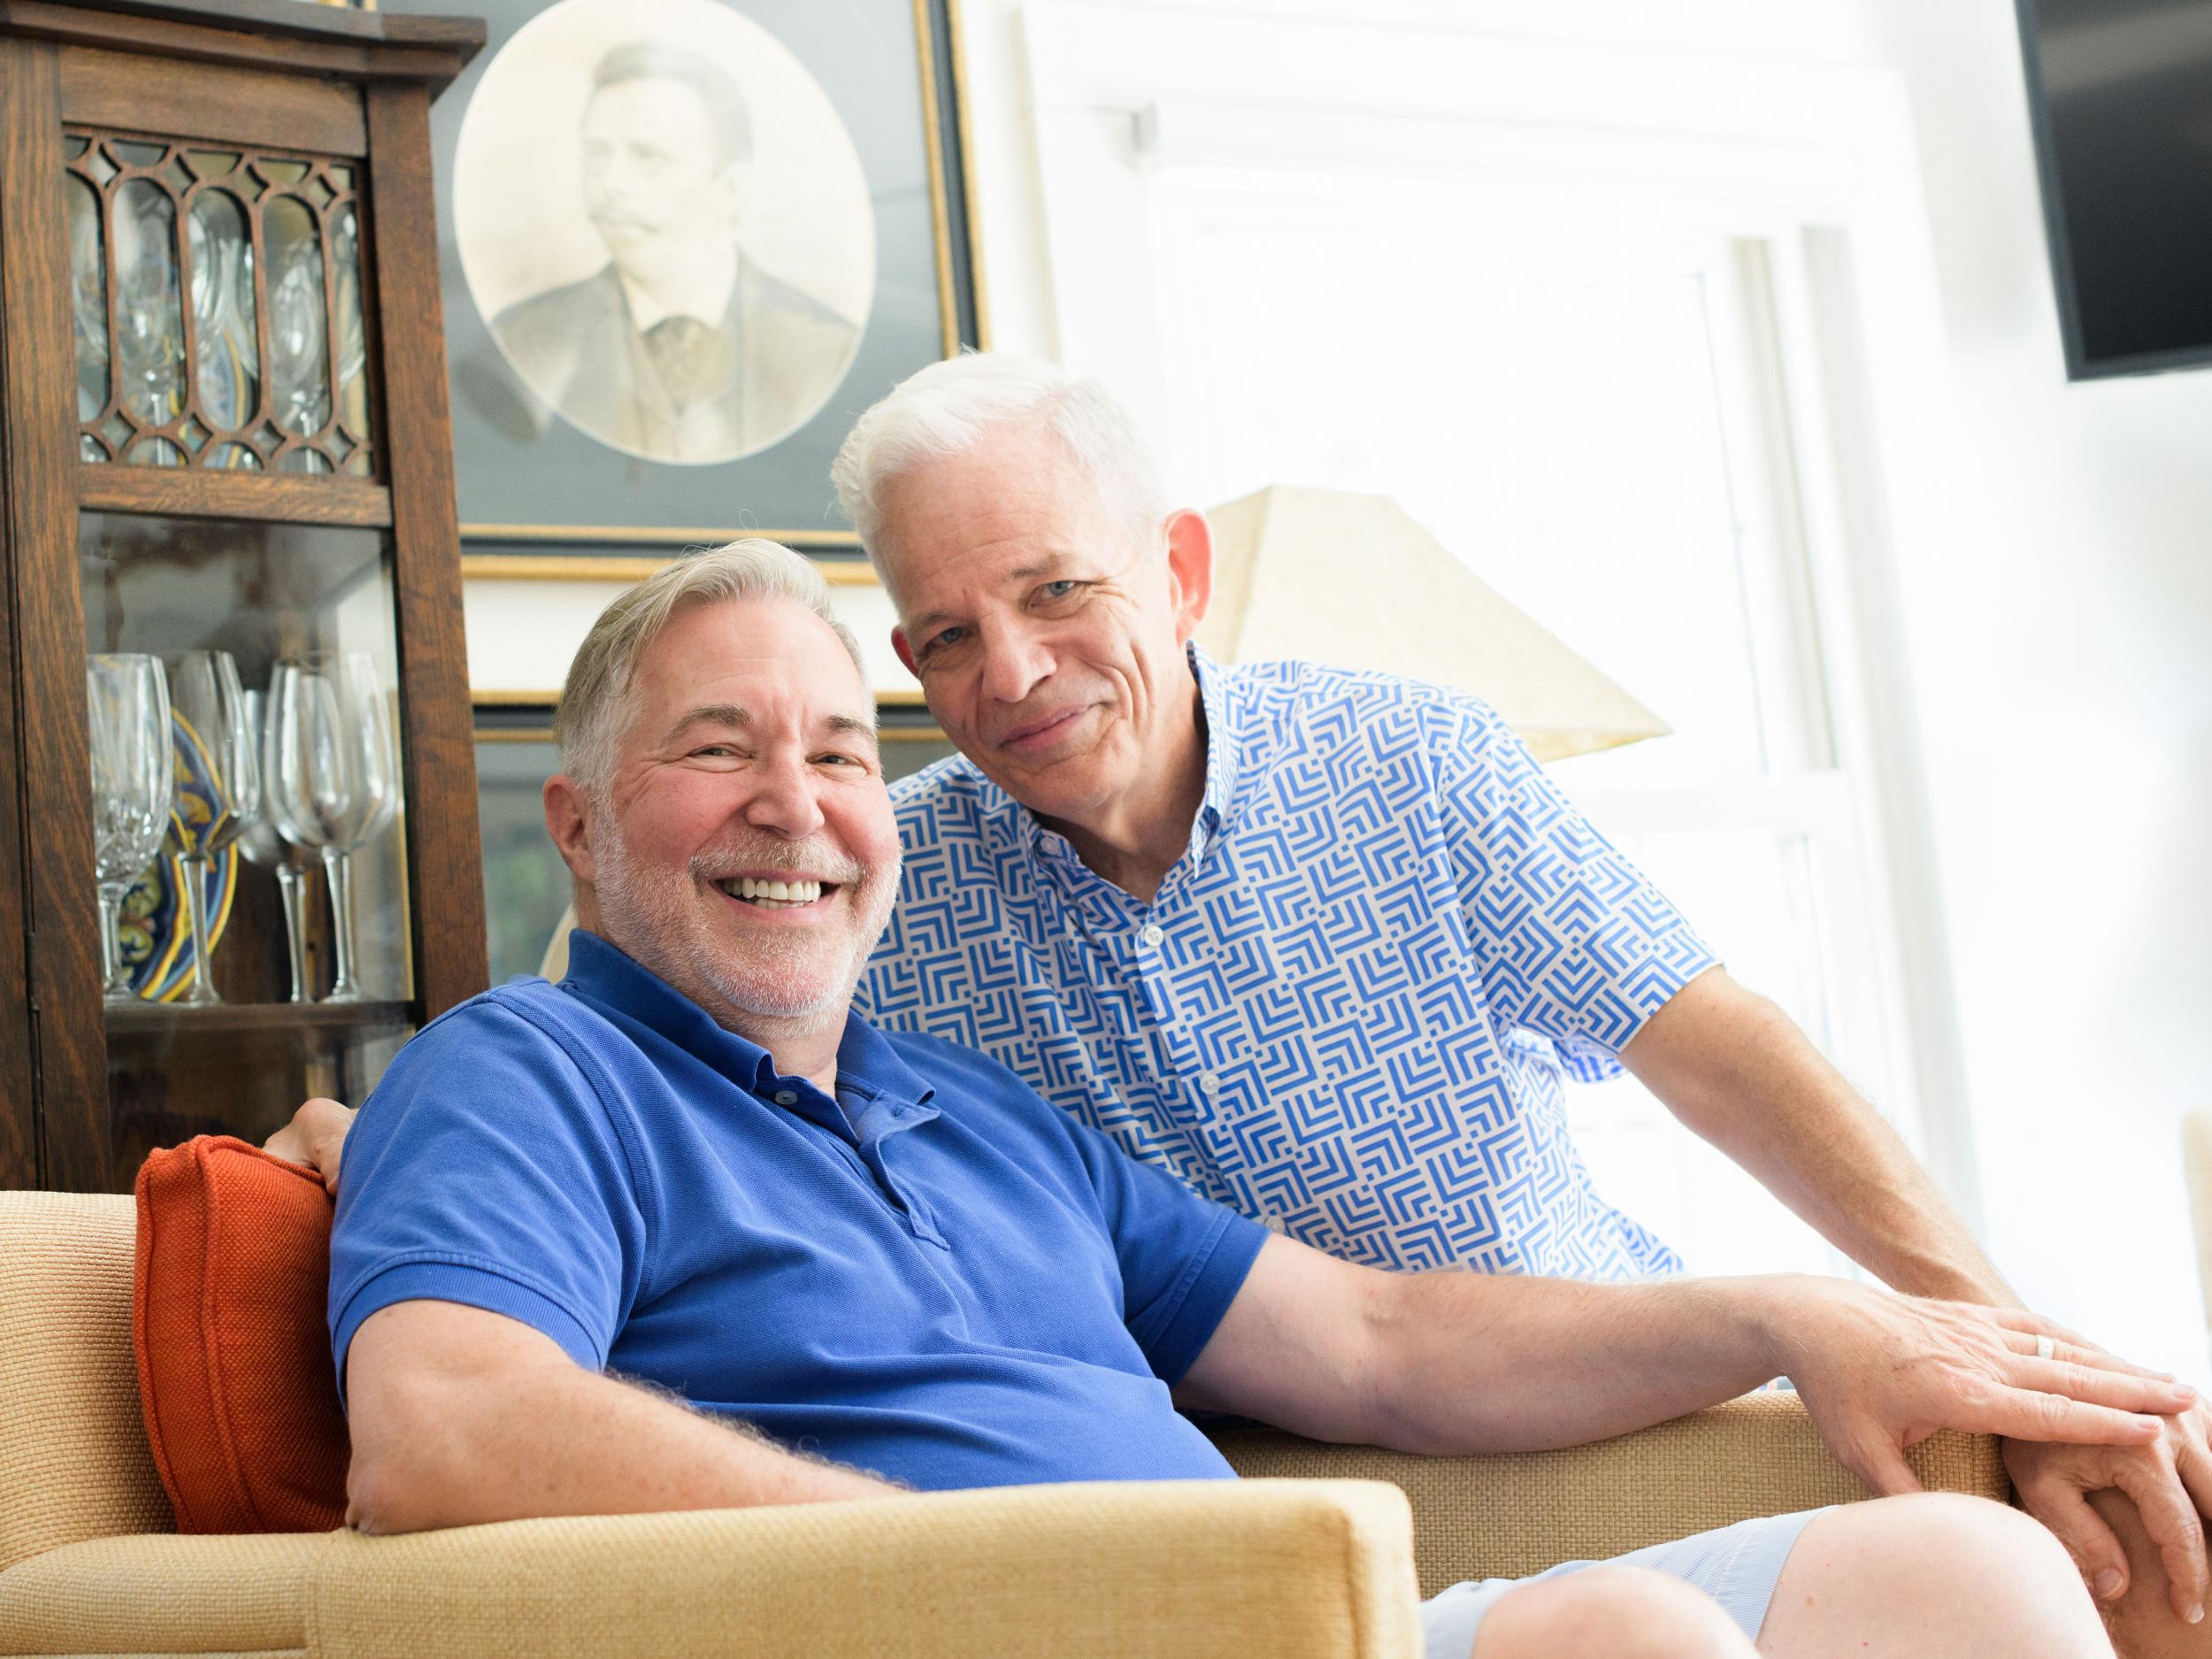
x: 665, y: 226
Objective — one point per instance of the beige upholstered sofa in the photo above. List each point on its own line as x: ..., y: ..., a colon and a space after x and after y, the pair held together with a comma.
x: 1323, y: 1557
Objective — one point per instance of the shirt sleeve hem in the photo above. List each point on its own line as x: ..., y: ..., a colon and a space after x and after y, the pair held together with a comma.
x: 471, y: 1283
x: 1590, y: 1060
x: 1180, y: 1327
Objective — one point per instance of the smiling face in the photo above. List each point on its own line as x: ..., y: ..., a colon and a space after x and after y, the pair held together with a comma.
x: 743, y: 848
x: 1049, y: 639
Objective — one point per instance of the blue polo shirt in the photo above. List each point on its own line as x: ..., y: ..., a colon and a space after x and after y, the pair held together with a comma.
x: 935, y: 1275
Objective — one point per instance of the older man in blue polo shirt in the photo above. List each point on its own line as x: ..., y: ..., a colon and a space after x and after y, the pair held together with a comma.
x: 885, y: 1261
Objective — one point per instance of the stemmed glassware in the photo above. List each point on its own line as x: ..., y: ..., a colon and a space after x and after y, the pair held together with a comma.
x: 263, y: 844
x: 334, y: 775
x: 134, y: 761
x: 217, y: 793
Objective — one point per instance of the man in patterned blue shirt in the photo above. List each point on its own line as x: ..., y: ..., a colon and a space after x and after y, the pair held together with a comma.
x: 1321, y: 943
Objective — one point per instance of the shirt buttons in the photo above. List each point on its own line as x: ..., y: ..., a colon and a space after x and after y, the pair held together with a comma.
x: 787, y: 1097
x: 1209, y: 1083
x: 1151, y: 934
x: 1272, y: 1222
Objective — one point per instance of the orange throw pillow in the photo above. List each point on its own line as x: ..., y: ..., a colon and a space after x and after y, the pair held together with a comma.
x: 233, y: 1356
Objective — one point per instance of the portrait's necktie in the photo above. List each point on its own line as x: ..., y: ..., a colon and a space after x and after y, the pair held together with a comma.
x: 689, y: 357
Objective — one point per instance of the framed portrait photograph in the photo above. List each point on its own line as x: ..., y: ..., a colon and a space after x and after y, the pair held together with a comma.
x: 685, y: 243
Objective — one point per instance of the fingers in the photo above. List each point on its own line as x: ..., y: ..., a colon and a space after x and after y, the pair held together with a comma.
x: 2072, y: 1350
x: 1871, y: 1455
x: 2127, y: 1390
x: 2194, y: 1462
x: 2095, y: 1547
x: 2026, y: 1414
x: 2170, y: 1518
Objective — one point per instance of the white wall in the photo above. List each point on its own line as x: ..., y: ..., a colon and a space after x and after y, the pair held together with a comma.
x: 2056, y: 611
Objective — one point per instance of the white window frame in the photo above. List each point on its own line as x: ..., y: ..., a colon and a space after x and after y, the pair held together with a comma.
x: 1813, y: 165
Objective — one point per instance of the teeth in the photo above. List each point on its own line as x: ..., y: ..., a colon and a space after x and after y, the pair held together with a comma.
x: 772, y: 893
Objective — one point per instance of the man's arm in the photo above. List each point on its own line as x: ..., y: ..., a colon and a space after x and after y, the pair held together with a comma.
x: 458, y: 1416
x: 1456, y: 1362
x: 1735, y: 1068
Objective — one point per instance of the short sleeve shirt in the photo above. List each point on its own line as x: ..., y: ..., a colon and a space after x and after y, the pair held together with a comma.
x: 1349, y: 1007
x: 931, y: 1274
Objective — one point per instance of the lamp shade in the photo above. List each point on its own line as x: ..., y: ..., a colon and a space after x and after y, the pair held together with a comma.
x: 1352, y: 581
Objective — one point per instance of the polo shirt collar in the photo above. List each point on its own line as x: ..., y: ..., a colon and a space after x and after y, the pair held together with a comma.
x: 611, y: 976
x: 1224, y: 751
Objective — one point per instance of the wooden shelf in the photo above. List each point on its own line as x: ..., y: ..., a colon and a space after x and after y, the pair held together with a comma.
x: 245, y: 1018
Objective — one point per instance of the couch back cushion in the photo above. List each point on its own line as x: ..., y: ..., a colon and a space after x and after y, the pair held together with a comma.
x: 233, y: 1358
x: 73, y: 1460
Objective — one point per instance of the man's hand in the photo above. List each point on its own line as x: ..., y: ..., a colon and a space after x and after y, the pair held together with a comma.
x: 316, y: 1137
x: 1880, y: 1372
x: 2170, y: 1481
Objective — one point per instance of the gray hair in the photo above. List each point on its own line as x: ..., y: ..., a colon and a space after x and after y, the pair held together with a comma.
x: 946, y: 409
x: 731, y: 123
x: 596, y: 701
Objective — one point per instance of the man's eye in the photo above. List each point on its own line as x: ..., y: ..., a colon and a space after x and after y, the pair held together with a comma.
x: 946, y: 637
x: 1060, y: 589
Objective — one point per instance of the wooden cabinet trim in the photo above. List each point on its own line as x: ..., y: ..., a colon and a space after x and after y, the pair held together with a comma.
x: 220, y: 102
x: 53, y: 749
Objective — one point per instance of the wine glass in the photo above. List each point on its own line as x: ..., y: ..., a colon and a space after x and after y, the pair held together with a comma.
x: 218, y: 790
x: 134, y: 775
x: 334, y: 775
x: 262, y: 843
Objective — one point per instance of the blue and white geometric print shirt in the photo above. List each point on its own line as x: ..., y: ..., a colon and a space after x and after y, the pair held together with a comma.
x: 1345, y: 1011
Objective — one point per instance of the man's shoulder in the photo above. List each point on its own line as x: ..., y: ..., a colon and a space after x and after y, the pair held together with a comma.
x: 562, y: 312
x: 526, y: 1028
x: 1294, y: 710
x: 767, y: 297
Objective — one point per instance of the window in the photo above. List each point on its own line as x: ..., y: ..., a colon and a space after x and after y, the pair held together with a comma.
x: 1590, y: 383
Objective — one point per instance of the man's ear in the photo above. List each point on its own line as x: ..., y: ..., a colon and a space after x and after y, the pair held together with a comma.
x: 905, y: 651
x: 568, y: 821
x: 1190, y: 567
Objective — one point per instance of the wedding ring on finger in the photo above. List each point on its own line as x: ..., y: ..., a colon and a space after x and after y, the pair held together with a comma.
x: 2045, y: 1347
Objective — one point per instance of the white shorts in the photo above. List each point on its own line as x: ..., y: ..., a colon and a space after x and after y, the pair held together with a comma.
x: 1736, y: 1565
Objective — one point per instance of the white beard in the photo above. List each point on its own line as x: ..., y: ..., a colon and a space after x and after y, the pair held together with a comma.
x: 782, y: 976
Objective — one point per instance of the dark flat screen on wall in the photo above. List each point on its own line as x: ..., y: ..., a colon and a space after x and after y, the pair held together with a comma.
x: 2121, y: 91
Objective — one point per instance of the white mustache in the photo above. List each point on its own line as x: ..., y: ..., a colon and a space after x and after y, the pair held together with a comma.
x: 718, y: 863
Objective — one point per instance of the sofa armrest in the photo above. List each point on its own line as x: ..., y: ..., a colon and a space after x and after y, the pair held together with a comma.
x: 1513, y: 1513
x: 1130, y: 1570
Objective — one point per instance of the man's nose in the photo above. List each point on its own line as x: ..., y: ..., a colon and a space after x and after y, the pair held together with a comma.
x: 1015, y: 662
x: 782, y: 800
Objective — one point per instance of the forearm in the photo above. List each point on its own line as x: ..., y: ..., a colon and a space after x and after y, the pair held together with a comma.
x: 1737, y: 1071
x: 1476, y: 1363
x: 558, y: 1440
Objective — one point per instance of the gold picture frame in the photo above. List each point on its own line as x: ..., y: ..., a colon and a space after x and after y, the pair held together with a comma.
x: 497, y: 469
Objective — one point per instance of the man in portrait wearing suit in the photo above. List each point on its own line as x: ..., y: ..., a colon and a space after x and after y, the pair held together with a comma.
x: 681, y: 346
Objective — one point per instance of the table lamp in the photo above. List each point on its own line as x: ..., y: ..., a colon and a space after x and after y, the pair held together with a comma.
x: 1351, y: 581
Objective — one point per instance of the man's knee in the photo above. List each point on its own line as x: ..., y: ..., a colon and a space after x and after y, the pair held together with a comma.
x: 1623, y: 1612
x: 1965, y: 1573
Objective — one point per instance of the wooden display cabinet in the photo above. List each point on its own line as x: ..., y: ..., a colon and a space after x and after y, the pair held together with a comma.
x: 223, y: 427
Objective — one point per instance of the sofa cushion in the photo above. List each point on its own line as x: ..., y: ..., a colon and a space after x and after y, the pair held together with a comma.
x: 233, y: 1356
